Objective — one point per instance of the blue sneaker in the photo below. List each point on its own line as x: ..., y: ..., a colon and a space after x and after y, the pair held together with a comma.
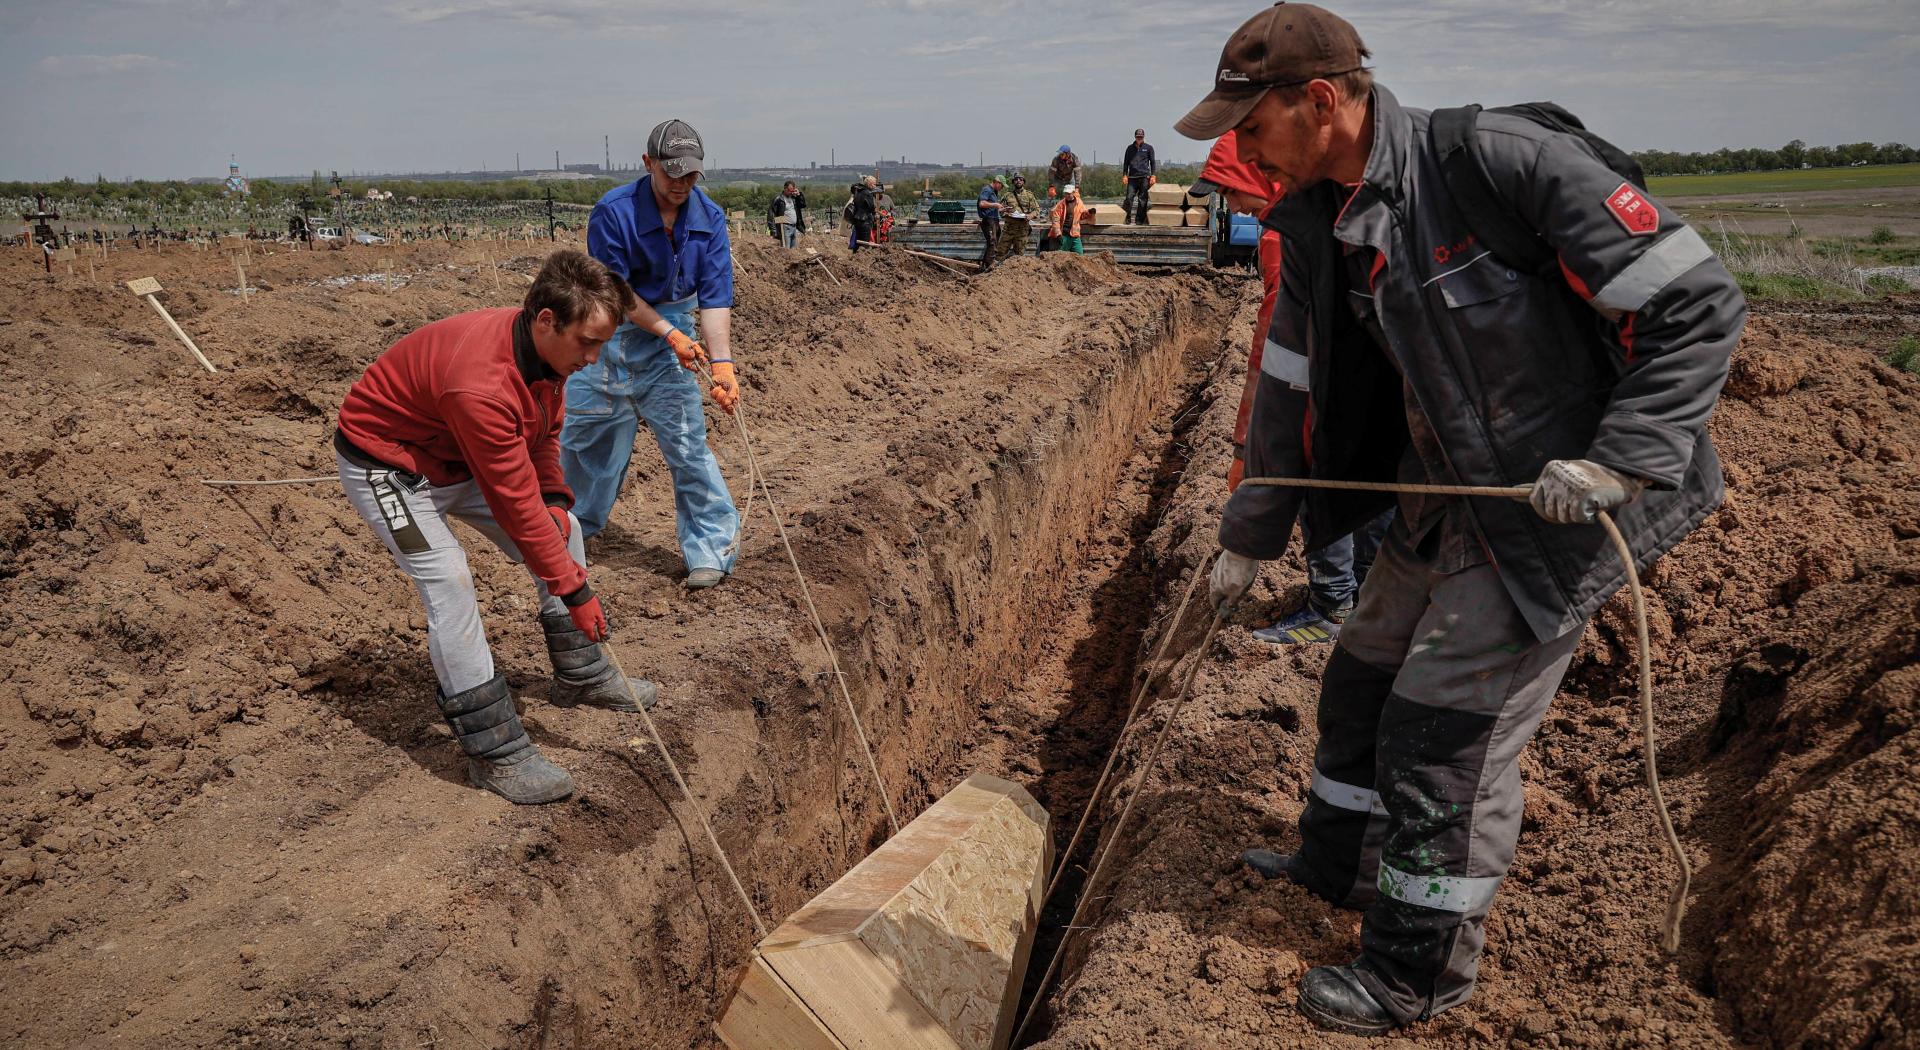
x: 1306, y: 627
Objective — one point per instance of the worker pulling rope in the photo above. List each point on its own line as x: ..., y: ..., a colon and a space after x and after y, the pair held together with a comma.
x: 1676, y: 905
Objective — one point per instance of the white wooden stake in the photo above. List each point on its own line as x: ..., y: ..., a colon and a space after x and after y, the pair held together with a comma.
x: 145, y: 287
x: 241, y: 269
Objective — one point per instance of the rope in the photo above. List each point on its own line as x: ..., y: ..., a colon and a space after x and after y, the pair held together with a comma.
x: 220, y: 482
x: 819, y: 626
x: 1677, y: 903
x: 673, y: 768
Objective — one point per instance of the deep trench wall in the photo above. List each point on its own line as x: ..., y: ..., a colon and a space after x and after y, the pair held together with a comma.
x: 962, y: 566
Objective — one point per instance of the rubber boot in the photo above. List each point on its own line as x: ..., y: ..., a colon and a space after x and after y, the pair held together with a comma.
x: 1333, y: 998
x: 500, y: 755
x: 582, y: 674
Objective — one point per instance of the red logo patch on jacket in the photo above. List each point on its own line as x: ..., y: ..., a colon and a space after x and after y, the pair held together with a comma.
x: 1635, y: 212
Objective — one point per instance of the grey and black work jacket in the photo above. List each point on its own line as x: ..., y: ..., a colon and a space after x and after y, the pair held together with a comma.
x: 1617, y: 358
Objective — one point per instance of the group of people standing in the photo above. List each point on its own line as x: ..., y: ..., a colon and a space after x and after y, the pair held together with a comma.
x: 1007, y: 214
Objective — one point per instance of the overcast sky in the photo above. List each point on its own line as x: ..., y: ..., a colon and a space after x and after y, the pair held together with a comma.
x: 168, y: 88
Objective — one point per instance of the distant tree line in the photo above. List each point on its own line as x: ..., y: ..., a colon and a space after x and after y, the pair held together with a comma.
x: 1099, y: 181
x: 1795, y: 154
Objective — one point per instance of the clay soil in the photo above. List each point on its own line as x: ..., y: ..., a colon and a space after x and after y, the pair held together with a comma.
x: 229, y: 815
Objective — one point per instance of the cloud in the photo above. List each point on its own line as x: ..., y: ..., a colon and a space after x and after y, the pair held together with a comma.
x: 947, y: 47
x: 102, y: 65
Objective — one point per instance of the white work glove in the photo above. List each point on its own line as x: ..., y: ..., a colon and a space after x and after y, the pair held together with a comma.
x: 1572, y: 491
x: 1232, y: 575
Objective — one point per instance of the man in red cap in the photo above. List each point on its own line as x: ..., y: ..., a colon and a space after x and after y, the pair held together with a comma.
x: 461, y: 419
x: 1404, y: 351
x: 1336, y: 570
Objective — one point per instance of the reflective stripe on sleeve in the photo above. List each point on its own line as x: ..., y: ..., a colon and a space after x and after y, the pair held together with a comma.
x: 1288, y: 366
x: 1346, y: 796
x: 1680, y: 251
x: 1439, y: 892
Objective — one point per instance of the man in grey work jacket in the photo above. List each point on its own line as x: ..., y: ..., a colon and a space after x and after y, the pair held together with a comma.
x: 1416, y: 356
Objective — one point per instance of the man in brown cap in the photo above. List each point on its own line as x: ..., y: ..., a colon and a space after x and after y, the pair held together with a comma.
x: 1403, y: 349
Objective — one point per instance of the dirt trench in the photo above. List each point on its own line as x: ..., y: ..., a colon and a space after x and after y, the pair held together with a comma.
x: 232, y: 817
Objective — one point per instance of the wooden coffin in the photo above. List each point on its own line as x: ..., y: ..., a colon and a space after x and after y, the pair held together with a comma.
x: 1107, y: 214
x: 1167, y: 193
x: 922, y: 946
x: 1162, y: 215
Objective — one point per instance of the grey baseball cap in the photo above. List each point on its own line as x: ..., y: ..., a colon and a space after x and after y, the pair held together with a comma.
x: 677, y: 147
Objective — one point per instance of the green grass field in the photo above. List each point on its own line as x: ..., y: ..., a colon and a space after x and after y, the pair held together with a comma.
x: 1872, y: 177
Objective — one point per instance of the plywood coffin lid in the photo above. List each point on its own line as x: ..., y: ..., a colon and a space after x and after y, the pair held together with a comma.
x: 845, y: 908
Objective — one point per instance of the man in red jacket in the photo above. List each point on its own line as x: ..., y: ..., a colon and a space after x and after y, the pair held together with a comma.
x: 461, y: 419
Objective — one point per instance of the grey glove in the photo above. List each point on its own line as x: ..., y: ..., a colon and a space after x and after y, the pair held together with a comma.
x: 1232, y: 575
x: 1572, y: 491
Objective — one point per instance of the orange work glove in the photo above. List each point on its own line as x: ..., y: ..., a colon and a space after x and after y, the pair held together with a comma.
x: 689, y: 352
x: 1153, y: 180
x: 1235, y: 473
x: 561, y: 519
x: 726, y: 389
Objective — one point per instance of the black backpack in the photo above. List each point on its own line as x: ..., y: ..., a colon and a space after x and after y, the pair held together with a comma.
x: 1493, y: 222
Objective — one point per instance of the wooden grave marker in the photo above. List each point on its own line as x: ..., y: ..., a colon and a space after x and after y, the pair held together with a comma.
x: 149, y: 288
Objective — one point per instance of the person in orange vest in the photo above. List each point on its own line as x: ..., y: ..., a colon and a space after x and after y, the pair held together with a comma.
x: 1069, y: 215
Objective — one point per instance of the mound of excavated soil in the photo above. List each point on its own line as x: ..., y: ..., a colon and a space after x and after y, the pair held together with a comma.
x: 229, y: 814
x: 1785, y: 632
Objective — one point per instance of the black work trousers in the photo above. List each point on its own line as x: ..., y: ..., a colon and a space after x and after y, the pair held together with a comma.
x: 1135, y: 204
x: 1433, y: 689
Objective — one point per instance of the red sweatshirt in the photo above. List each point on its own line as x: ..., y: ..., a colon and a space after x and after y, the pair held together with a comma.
x: 464, y: 398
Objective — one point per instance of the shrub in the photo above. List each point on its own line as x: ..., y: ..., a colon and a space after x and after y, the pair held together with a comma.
x: 1881, y: 235
x: 1905, y: 355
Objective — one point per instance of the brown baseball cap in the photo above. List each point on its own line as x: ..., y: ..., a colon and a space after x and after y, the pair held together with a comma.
x: 1285, y: 44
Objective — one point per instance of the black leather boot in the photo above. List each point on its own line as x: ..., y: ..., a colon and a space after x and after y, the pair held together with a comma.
x: 582, y: 674
x: 1333, y: 998
x: 500, y: 755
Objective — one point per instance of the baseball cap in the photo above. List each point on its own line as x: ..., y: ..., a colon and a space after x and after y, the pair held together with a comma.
x: 677, y: 147
x: 1285, y: 44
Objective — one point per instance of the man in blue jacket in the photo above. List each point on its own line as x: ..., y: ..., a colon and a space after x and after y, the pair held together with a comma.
x: 668, y: 240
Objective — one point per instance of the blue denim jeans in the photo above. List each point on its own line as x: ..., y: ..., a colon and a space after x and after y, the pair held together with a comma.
x: 638, y: 378
x: 1336, y: 571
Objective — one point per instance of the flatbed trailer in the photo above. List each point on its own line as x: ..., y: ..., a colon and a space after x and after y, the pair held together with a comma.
x: 1134, y: 245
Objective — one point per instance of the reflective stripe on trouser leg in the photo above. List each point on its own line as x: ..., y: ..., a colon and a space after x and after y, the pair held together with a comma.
x: 1463, y: 706
x: 1342, y: 826
x: 668, y: 398
x: 435, y: 561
